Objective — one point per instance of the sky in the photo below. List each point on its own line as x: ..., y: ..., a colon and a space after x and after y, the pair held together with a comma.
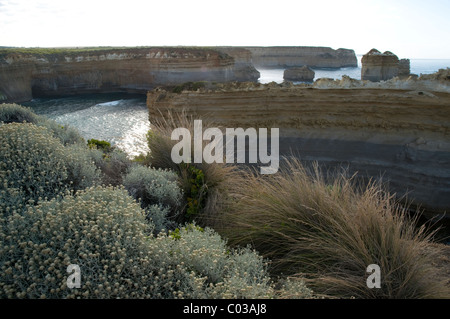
x: 410, y: 29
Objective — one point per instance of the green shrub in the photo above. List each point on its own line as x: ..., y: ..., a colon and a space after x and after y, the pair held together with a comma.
x: 99, y: 144
x: 197, y: 191
x: 142, y: 159
x: 35, y: 166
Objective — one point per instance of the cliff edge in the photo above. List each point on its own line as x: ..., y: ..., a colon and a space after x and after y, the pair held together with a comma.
x: 379, y: 130
x: 27, y: 73
x: 314, y: 57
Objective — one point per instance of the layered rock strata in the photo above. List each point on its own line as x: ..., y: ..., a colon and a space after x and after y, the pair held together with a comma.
x: 301, y: 74
x: 401, y: 136
x: 28, y: 73
x: 243, y: 63
x: 314, y: 57
x: 377, y: 66
x: 404, y: 68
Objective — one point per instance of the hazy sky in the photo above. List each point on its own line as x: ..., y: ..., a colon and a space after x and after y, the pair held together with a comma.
x: 409, y: 28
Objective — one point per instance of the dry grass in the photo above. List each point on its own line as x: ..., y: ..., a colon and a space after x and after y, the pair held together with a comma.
x: 219, y: 179
x: 330, y: 230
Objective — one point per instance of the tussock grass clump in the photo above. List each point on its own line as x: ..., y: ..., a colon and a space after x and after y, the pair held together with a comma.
x: 206, y: 186
x: 330, y: 231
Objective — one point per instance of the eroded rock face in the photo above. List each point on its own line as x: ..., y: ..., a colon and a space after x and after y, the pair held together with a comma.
x: 377, y: 66
x: 404, y: 68
x: 303, y: 73
x: 401, y: 135
x: 24, y: 75
x: 315, y: 57
x: 243, y: 64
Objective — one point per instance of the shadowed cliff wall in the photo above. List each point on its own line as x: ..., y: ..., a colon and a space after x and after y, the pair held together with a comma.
x: 401, y: 135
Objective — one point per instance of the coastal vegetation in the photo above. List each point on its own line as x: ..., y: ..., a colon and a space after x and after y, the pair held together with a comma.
x: 151, y: 228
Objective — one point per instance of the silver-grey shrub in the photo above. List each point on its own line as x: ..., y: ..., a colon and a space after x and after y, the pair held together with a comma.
x: 34, y: 165
x: 153, y: 186
x: 157, y: 190
x: 66, y: 134
x: 15, y: 113
x: 82, y: 171
x: 159, y: 215
x: 219, y: 271
x: 104, y: 231
x: 114, y: 165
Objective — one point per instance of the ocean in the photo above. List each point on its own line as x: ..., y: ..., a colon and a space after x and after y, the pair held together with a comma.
x: 417, y: 66
x: 122, y: 119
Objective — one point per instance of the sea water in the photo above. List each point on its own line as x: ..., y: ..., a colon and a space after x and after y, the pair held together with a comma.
x: 417, y: 66
x: 122, y: 119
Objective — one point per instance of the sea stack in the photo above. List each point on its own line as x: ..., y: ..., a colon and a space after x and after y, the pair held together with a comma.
x: 303, y: 73
x: 404, y: 69
x: 377, y: 66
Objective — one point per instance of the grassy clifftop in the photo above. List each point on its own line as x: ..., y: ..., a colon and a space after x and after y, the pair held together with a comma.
x: 70, y: 51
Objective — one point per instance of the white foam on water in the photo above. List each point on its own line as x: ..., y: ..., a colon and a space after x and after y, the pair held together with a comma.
x: 124, y: 123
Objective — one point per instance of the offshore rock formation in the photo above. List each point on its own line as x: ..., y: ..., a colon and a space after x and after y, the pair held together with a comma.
x: 401, y: 135
x: 404, y: 68
x: 314, y: 57
x: 436, y: 82
x: 377, y: 66
x: 25, y: 74
x: 303, y: 73
x: 243, y: 65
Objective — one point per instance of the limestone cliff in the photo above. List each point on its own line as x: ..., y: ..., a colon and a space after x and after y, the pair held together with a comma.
x: 303, y: 73
x: 243, y: 63
x: 402, y: 135
x: 315, y: 57
x: 28, y: 73
x: 377, y: 66
x: 404, y: 68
